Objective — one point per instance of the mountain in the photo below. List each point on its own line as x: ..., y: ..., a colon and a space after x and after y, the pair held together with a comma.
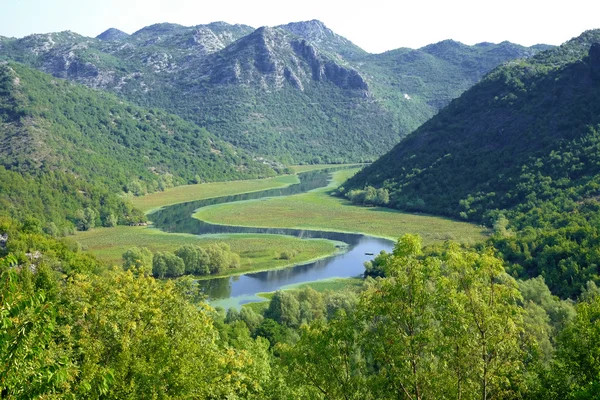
x: 296, y: 93
x: 58, y: 131
x: 520, y: 152
x: 112, y: 34
x: 317, y: 33
x: 481, y: 142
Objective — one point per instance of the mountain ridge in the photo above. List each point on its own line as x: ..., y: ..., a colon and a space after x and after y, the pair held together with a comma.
x: 366, y: 102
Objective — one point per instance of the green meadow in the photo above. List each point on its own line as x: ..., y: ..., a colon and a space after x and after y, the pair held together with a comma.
x: 257, y: 252
x: 319, y: 210
x: 182, y: 194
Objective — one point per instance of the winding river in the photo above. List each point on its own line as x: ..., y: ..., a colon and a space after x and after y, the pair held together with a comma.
x: 237, y: 290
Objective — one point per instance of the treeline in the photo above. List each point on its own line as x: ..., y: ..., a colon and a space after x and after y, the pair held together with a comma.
x: 187, y: 260
x: 444, y: 324
x: 369, y: 196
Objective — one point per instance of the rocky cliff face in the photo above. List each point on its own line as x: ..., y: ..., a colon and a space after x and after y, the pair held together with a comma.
x: 274, y: 57
x: 316, y: 32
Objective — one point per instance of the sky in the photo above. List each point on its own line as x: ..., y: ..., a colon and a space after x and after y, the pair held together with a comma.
x: 374, y: 25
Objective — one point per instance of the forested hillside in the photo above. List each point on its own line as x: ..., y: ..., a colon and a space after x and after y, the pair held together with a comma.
x: 523, y: 144
x: 295, y: 93
x: 66, y: 151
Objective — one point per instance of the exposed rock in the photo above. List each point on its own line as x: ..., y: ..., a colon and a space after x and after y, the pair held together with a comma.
x: 3, y: 240
x: 343, y: 77
x: 311, y: 56
x: 293, y: 79
x: 314, y: 30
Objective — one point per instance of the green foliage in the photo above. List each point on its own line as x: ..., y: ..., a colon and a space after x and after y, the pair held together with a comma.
x: 369, y: 196
x: 190, y: 260
x: 284, y: 308
x: 139, y: 258
x: 445, y: 326
x: 68, y: 150
x: 167, y: 265
x: 505, y: 155
x: 114, y: 335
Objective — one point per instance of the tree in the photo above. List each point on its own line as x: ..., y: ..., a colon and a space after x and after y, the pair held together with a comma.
x: 327, y: 360
x: 34, y: 358
x: 111, y: 220
x: 284, y: 308
x: 403, y: 323
x: 485, y: 299
x: 165, y: 264
x: 86, y: 219
x: 138, y: 257
x: 195, y: 258
x: 578, y: 353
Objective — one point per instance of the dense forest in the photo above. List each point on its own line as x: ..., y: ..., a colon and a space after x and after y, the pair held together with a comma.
x: 67, y: 151
x: 518, y: 152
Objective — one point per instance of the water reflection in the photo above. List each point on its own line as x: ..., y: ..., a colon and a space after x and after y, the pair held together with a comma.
x: 241, y: 289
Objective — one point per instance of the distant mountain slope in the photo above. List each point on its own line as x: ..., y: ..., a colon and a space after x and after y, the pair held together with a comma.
x: 62, y: 132
x: 474, y: 154
x: 520, y: 152
x: 297, y: 92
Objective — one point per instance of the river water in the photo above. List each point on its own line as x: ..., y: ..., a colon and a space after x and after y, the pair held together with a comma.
x: 355, y: 249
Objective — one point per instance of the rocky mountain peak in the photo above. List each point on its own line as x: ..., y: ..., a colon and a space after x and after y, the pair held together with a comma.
x: 112, y: 34
x: 316, y: 32
x: 313, y: 30
x: 158, y: 29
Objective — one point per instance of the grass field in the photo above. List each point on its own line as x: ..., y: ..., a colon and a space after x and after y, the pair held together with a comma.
x: 318, y: 210
x: 257, y: 252
x: 182, y: 194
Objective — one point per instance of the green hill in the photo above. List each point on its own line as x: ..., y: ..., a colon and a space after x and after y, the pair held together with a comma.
x: 524, y: 143
x: 295, y: 93
x: 79, y: 145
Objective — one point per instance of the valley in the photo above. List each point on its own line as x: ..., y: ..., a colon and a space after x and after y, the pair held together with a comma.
x: 261, y: 249
x: 222, y: 211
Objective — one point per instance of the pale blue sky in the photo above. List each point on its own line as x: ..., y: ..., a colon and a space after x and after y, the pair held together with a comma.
x: 374, y: 25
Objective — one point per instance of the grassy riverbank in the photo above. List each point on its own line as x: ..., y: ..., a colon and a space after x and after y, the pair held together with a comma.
x: 257, y: 252
x: 318, y: 210
x: 182, y: 194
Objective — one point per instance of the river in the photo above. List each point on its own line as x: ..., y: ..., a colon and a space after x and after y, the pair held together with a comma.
x: 237, y: 290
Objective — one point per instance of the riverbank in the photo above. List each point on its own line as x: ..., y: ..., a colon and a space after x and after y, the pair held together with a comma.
x: 185, y: 193
x: 318, y: 210
x: 258, y: 252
